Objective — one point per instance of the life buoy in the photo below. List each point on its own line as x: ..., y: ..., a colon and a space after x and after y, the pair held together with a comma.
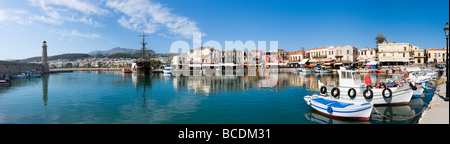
x: 413, y: 87
x: 350, y: 93
x: 329, y: 109
x: 323, y: 90
x: 370, y: 96
x: 384, y: 93
x: 335, y: 92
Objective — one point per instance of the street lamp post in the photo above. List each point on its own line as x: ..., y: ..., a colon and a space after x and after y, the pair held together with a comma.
x: 446, y: 29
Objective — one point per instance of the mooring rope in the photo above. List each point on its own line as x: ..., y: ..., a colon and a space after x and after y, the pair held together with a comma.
x: 379, y: 113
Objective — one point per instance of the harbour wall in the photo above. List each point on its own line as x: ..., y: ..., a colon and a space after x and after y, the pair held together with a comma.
x: 11, y: 68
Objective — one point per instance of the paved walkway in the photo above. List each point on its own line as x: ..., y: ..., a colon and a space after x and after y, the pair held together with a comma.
x: 438, y: 110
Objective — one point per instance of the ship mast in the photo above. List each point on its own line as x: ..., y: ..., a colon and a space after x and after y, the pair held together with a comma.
x: 143, y: 45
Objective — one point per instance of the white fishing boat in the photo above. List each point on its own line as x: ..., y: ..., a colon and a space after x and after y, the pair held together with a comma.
x: 326, y: 71
x: 296, y: 70
x: 19, y: 76
x: 167, y: 70
x: 351, y: 88
x: 307, y: 71
x: 340, y: 108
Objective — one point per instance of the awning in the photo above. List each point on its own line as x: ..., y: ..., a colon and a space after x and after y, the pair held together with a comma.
x: 373, y: 63
x: 394, y: 60
x: 304, y: 61
x: 327, y: 64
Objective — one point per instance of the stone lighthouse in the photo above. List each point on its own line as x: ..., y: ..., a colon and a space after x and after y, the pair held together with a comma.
x: 44, y: 57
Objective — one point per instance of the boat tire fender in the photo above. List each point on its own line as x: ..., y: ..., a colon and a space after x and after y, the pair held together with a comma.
x: 413, y: 87
x: 350, y: 93
x: 323, y: 90
x: 335, y: 92
x: 370, y: 96
x: 384, y: 93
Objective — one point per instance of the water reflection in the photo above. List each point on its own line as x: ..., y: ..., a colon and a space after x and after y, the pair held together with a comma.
x: 213, y: 84
x: 115, y: 97
x: 45, y: 89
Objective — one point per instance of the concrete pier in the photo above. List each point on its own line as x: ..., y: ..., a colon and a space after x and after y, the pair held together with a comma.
x: 437, y: 111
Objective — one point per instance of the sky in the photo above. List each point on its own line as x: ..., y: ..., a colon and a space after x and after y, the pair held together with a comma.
x: 82, y: 26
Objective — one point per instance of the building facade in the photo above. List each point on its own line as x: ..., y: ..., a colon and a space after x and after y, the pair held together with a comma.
x: 396, y: 54
x: 436, y: 55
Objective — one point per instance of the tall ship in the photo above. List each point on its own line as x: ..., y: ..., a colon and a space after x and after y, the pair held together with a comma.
x: 143, y: 65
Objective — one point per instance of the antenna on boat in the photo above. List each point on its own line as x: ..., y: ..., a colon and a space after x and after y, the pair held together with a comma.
x: 144, y: 49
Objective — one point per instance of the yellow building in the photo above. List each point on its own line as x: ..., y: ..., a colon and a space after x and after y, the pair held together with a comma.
x: 396, y: 54
x: 436, y: 55
x: 419, y: 56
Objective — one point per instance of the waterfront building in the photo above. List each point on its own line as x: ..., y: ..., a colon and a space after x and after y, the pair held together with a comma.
x: 295, y: 58
x: 317, y: 55
x: 179, y: 60
x: 367, y: 55
x: 345, y: 54
x: 393, y: 54
x: 419, y: 56
x: 436, y: 55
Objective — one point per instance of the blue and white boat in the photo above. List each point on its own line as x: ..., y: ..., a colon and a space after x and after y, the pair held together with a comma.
x: 339, y: 108
x: 167, y: 70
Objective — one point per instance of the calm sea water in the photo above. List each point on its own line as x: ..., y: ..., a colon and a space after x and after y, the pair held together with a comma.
x: 116, y: 98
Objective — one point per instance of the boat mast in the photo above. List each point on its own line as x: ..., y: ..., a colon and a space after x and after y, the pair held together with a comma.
x: 143, y: 45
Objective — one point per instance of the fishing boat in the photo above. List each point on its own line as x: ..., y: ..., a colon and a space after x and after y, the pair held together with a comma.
x: 351, y: 88
x: 307, y: 71
x: 19, y: 76
x: 4, y: 82
x: 30, y: 74
x: 326, y: 71
x: 167, y: 70
x: 296, y: 70
x: 126, y: 70
x: 340, y: 108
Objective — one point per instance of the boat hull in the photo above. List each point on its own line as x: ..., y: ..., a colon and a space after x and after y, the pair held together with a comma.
x: 401, y: 95
x: 339, y: 108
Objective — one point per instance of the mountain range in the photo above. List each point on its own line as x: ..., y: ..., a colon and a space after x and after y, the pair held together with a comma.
x: 113, y: 53
x: 118, y: 50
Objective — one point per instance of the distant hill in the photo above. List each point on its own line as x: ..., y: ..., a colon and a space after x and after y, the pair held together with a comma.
x: 112, y: 53
x: 118, y: 50
x: 70, y: 57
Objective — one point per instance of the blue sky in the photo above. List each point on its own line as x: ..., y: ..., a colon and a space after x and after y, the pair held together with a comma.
x: 81, y: 26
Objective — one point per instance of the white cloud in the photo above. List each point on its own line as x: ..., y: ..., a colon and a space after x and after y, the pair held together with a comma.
x: 23, y: 17
x: 78, y: 5
x: 70, y: 10
x: 76, y: 34
x: 151, y: 17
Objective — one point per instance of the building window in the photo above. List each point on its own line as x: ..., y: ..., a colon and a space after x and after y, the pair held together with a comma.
x: 403, y: 54
x: 348, y: 51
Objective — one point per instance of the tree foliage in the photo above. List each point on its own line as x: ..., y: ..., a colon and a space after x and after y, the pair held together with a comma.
x: 380, y: 38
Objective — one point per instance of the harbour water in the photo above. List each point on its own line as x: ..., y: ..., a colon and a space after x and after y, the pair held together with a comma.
x: 117, y: 98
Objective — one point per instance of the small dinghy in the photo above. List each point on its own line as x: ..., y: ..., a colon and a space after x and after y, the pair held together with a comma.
x: 339, y: 108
